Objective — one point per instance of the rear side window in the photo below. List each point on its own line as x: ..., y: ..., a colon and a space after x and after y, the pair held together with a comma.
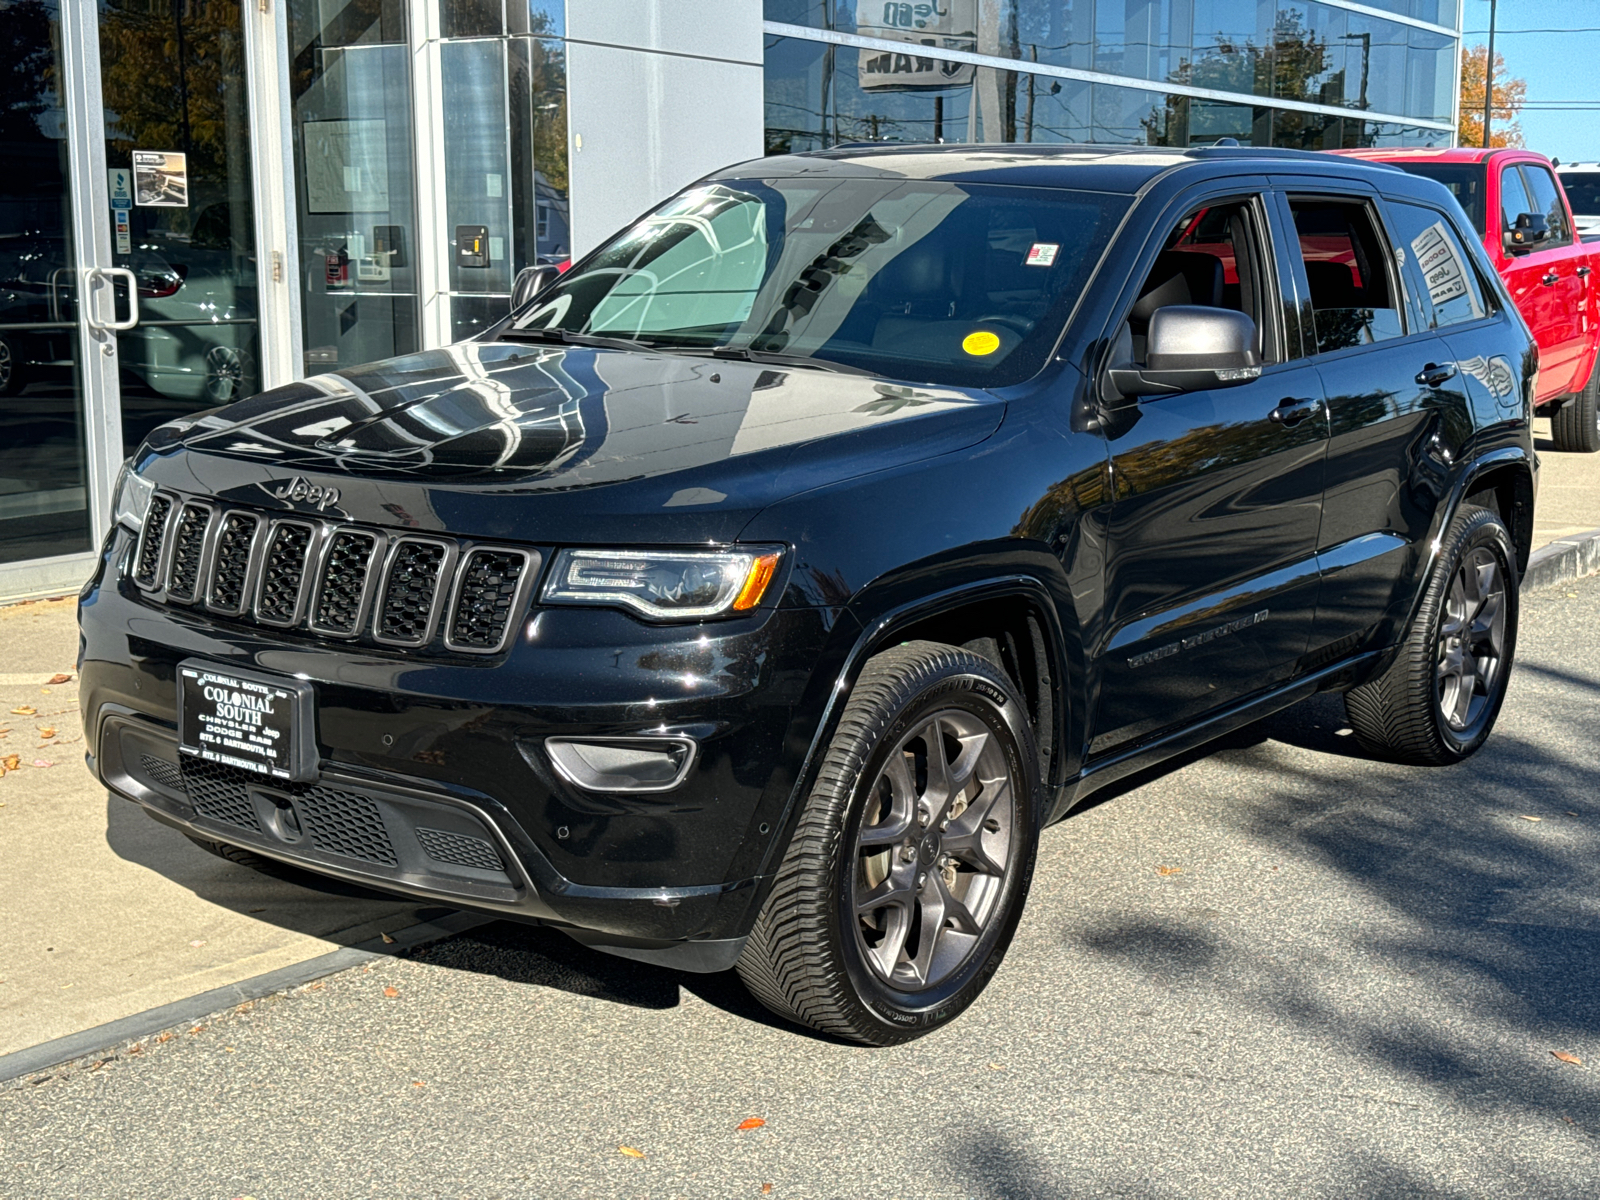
x: 1465, y: 181
x: 1448, y: 289
x: 1583, y: 191
x: 1547, y: 200
x: 1353, y: 299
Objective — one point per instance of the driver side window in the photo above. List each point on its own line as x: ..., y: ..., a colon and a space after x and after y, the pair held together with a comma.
x: 1212, y: 259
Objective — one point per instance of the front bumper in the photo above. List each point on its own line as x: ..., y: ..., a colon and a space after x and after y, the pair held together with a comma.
x: 433, y: 780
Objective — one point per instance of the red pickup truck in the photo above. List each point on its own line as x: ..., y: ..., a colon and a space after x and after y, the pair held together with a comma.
x: 1520, y: 210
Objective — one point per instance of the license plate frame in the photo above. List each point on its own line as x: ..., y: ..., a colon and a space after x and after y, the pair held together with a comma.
x: 256, y: 721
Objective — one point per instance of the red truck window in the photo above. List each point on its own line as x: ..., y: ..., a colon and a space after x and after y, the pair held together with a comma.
x: 1513, y: 197
x: 1352, y: 300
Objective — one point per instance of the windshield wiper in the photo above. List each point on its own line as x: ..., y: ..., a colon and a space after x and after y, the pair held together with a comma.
x: 771, y: 358
x: 566, y: 337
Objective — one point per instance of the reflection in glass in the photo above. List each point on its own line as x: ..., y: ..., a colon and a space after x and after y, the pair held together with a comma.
x: 43, y: 498
x: 178, y: 148
x: 351, y: 99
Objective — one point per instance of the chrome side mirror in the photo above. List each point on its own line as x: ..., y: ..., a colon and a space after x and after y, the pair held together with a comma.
x: 530, y: 282
x: 1190, y: 348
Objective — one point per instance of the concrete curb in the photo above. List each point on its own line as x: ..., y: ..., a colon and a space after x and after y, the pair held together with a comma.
x: 1563, y: 560
x: 103, y: 1039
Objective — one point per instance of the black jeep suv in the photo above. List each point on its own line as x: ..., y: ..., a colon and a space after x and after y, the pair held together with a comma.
x: 755, y: 593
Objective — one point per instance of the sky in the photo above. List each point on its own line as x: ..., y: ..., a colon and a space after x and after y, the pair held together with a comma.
x: 1557, y: 66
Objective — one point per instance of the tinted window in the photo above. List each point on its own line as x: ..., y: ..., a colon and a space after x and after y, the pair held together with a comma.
x: 1465, y: 181
x: 1352, y: 300
x: 1583, y: 191
x: 1547, y: 200
x: 1449, y: 289
x: 1513, y: 197
x: 914, y: 279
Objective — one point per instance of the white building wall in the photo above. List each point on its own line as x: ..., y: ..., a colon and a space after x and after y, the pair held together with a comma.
x: 660, y: 92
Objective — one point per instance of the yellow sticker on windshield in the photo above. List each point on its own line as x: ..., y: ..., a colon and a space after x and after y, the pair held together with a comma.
x: 980, y: 343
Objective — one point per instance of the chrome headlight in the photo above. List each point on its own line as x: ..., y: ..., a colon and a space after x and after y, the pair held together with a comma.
x: 130, y: 502
x: 664, y: 585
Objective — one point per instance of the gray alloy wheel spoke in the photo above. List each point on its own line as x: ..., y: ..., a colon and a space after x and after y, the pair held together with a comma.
x: 898, y: 821
x: 1472, y: 637
x: 894, y: 892
x: 965, y: 837
x: 940, y: 788
x: 956, y: 913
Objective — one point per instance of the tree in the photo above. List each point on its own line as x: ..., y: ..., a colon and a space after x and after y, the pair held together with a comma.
x: 1509, y: 96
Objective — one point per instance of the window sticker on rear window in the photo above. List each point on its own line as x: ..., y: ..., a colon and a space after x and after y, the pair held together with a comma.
x: 1042, y: 254
x: 980, y: 343
x: 1442, y: 268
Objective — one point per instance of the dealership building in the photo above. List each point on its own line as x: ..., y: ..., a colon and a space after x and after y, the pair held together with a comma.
x: 203, y: 198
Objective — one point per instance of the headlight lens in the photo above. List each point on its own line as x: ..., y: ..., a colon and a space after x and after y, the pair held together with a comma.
x: 130, y: 503
x: 664, y: 585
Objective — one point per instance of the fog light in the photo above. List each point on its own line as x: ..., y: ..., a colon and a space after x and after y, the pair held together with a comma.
x: 623, y: 764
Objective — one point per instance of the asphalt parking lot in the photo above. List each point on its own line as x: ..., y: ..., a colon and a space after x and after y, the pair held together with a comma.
x: 1276, y: 968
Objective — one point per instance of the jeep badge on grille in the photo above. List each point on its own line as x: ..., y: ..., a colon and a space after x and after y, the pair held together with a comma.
x: 299, y: 491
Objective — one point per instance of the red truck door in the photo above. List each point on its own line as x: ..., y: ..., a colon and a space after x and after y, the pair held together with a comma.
x: 1545, y: 282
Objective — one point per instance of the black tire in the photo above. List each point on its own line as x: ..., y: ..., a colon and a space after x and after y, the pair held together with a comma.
x: 817, y: 955
x: 1575, y: 426
x: 1425, y: 709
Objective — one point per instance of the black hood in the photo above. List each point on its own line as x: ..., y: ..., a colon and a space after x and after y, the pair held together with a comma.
x: 572, y: 444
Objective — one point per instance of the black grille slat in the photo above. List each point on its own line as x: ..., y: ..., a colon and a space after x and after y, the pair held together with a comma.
x: 155, y: 535
x: 488, y: 587
x: 410, y: 587
x: 344, y: 582
x: 230, y: 570
x: 283, y: 571
x: 345, y: 824
x: 458, y: 849
x: 220, y: 792
x: 188, y: 549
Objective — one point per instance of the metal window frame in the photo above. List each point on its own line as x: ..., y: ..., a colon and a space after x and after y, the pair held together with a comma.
x: 1024, y: 67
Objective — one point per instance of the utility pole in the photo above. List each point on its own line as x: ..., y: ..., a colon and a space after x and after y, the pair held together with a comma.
x: 1488, y: 79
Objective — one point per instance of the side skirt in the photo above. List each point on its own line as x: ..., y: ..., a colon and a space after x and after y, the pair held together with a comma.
x: 1103, y: 773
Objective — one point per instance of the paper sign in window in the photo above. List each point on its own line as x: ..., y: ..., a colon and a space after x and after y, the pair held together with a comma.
x: 1442, y: 269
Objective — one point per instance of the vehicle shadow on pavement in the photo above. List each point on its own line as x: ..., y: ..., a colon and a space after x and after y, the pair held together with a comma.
x: 544, y: 957
x: 1438, y: 928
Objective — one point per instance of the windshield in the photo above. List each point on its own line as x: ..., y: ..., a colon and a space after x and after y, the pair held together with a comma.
x: 1465, y: 181
x: 931, y: 282
x: 1583, y: 192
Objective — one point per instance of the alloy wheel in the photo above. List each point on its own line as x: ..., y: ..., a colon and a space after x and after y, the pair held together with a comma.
x: 226, y: 370
x: 6, y: 365
x: 933, y: 850
x: 1472, y: 638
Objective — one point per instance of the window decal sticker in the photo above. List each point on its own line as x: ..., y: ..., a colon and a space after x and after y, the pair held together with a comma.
x: 1042, y: 254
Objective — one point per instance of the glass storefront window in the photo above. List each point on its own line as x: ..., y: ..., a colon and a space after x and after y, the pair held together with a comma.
x: 350, y: 83
x: 178, y: 154
x: 43, y: 493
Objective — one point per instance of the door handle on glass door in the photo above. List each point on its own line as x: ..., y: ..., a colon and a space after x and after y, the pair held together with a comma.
x: 1434, y: 374
x: 1292, y: 411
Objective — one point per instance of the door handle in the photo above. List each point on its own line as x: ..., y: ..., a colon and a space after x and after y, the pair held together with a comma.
x: 1434, y: 374
x: 90, y: 306
x: 1292, y: 411
x: 1549, y: 278
x: 1581, y: 272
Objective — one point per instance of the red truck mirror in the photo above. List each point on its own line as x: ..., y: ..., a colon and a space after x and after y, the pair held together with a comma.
x: 1529, y: 230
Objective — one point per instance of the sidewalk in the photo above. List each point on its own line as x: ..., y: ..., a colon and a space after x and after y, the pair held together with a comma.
x: 106, y: 914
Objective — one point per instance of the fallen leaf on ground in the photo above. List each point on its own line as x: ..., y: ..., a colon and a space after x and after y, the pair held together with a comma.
x: 39, y: 762
x: 26, y: 710
x: 997, y: 1066
x: 230, y: 1050
x: 316, y: 987
x: 11, y: 761
x: 630, y: 1151
x: 387, y: 939
x: 1169, y: 870
x: 1568, y: 1058
x: 418, y: 1083
x: 197, y: 943
x: 1526, y: 817
x: 58, y: 677
x: 47, y: 731
x: 196, y: 1029
x: 766, y: 1189
x: 165, y: 1037
x: 752, y: 1123
x: 391, y: 992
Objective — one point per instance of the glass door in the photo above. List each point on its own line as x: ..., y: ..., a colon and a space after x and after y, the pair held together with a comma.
x: 178, y: 179
x: 44, y: 471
